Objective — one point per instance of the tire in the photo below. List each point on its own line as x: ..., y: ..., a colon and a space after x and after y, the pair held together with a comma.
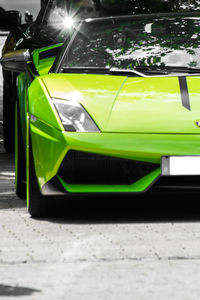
x: 9, y: 100
x: 38, y: 205
x: 20, y: 158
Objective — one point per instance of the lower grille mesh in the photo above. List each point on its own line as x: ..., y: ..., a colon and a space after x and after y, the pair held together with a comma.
x: 87, y: 168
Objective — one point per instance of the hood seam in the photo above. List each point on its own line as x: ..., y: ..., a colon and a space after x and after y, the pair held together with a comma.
x: 117, y: 94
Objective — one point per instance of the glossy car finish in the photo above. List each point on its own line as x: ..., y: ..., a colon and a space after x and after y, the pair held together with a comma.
x: 139, y: 112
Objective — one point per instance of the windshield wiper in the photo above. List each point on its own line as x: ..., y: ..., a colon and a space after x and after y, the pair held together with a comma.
x: 127, y: 72
x: 86, y: 70
x: 168, y: 69
x: 189, y: 70
x: 141, y: 71
x: 102, y: 70
x: 138, y: 71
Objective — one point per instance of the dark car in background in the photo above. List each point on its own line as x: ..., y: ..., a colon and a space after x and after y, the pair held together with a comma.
x: 53, y: 25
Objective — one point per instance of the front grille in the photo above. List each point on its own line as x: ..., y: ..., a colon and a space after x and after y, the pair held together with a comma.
x: 87, y: 168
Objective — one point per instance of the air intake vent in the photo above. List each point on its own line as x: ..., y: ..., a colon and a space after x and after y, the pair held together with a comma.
x: 87, y: 168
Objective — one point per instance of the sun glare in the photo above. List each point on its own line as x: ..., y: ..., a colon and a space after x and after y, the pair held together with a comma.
x: 68, y: 22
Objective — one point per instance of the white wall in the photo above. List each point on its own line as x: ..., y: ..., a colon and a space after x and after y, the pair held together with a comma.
x: 22, y: 5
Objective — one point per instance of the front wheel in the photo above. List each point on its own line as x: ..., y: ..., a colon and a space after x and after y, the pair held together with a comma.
x: 20, y: 158
x: 38, y: 205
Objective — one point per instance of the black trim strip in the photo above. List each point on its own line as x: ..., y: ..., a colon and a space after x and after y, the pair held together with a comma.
x: 184, y: 92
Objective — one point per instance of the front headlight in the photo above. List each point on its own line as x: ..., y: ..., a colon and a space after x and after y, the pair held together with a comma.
x: 74, y: 117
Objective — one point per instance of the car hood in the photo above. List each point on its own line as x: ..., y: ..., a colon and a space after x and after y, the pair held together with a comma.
x: 133, y: 104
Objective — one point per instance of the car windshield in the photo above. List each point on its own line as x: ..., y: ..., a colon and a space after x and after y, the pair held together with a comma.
x: 149, y: 6
x: 57, y: 10
x: 133, y: 42
x: 57, y: 16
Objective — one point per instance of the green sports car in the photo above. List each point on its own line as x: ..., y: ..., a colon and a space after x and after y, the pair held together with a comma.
x: 117, y: 110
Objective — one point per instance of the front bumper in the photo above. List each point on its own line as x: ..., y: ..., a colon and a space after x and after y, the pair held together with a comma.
x: 51, y: 148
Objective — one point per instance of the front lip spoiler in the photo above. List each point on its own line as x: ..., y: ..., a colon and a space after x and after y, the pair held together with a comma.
x: 55, y: 188
x: 175, y: 188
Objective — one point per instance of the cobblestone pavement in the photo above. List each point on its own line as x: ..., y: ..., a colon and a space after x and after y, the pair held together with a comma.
x: 99, y: 248
x: 102, y: 248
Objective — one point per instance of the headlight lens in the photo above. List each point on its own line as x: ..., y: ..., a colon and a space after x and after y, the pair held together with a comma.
x: 74, y: 117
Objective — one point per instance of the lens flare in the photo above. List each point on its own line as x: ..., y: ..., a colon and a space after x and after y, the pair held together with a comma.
x: 68, y: 22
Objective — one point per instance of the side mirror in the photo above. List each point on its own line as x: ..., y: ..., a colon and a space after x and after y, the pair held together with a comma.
x: 16, y: 61
x: 10, y: 20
